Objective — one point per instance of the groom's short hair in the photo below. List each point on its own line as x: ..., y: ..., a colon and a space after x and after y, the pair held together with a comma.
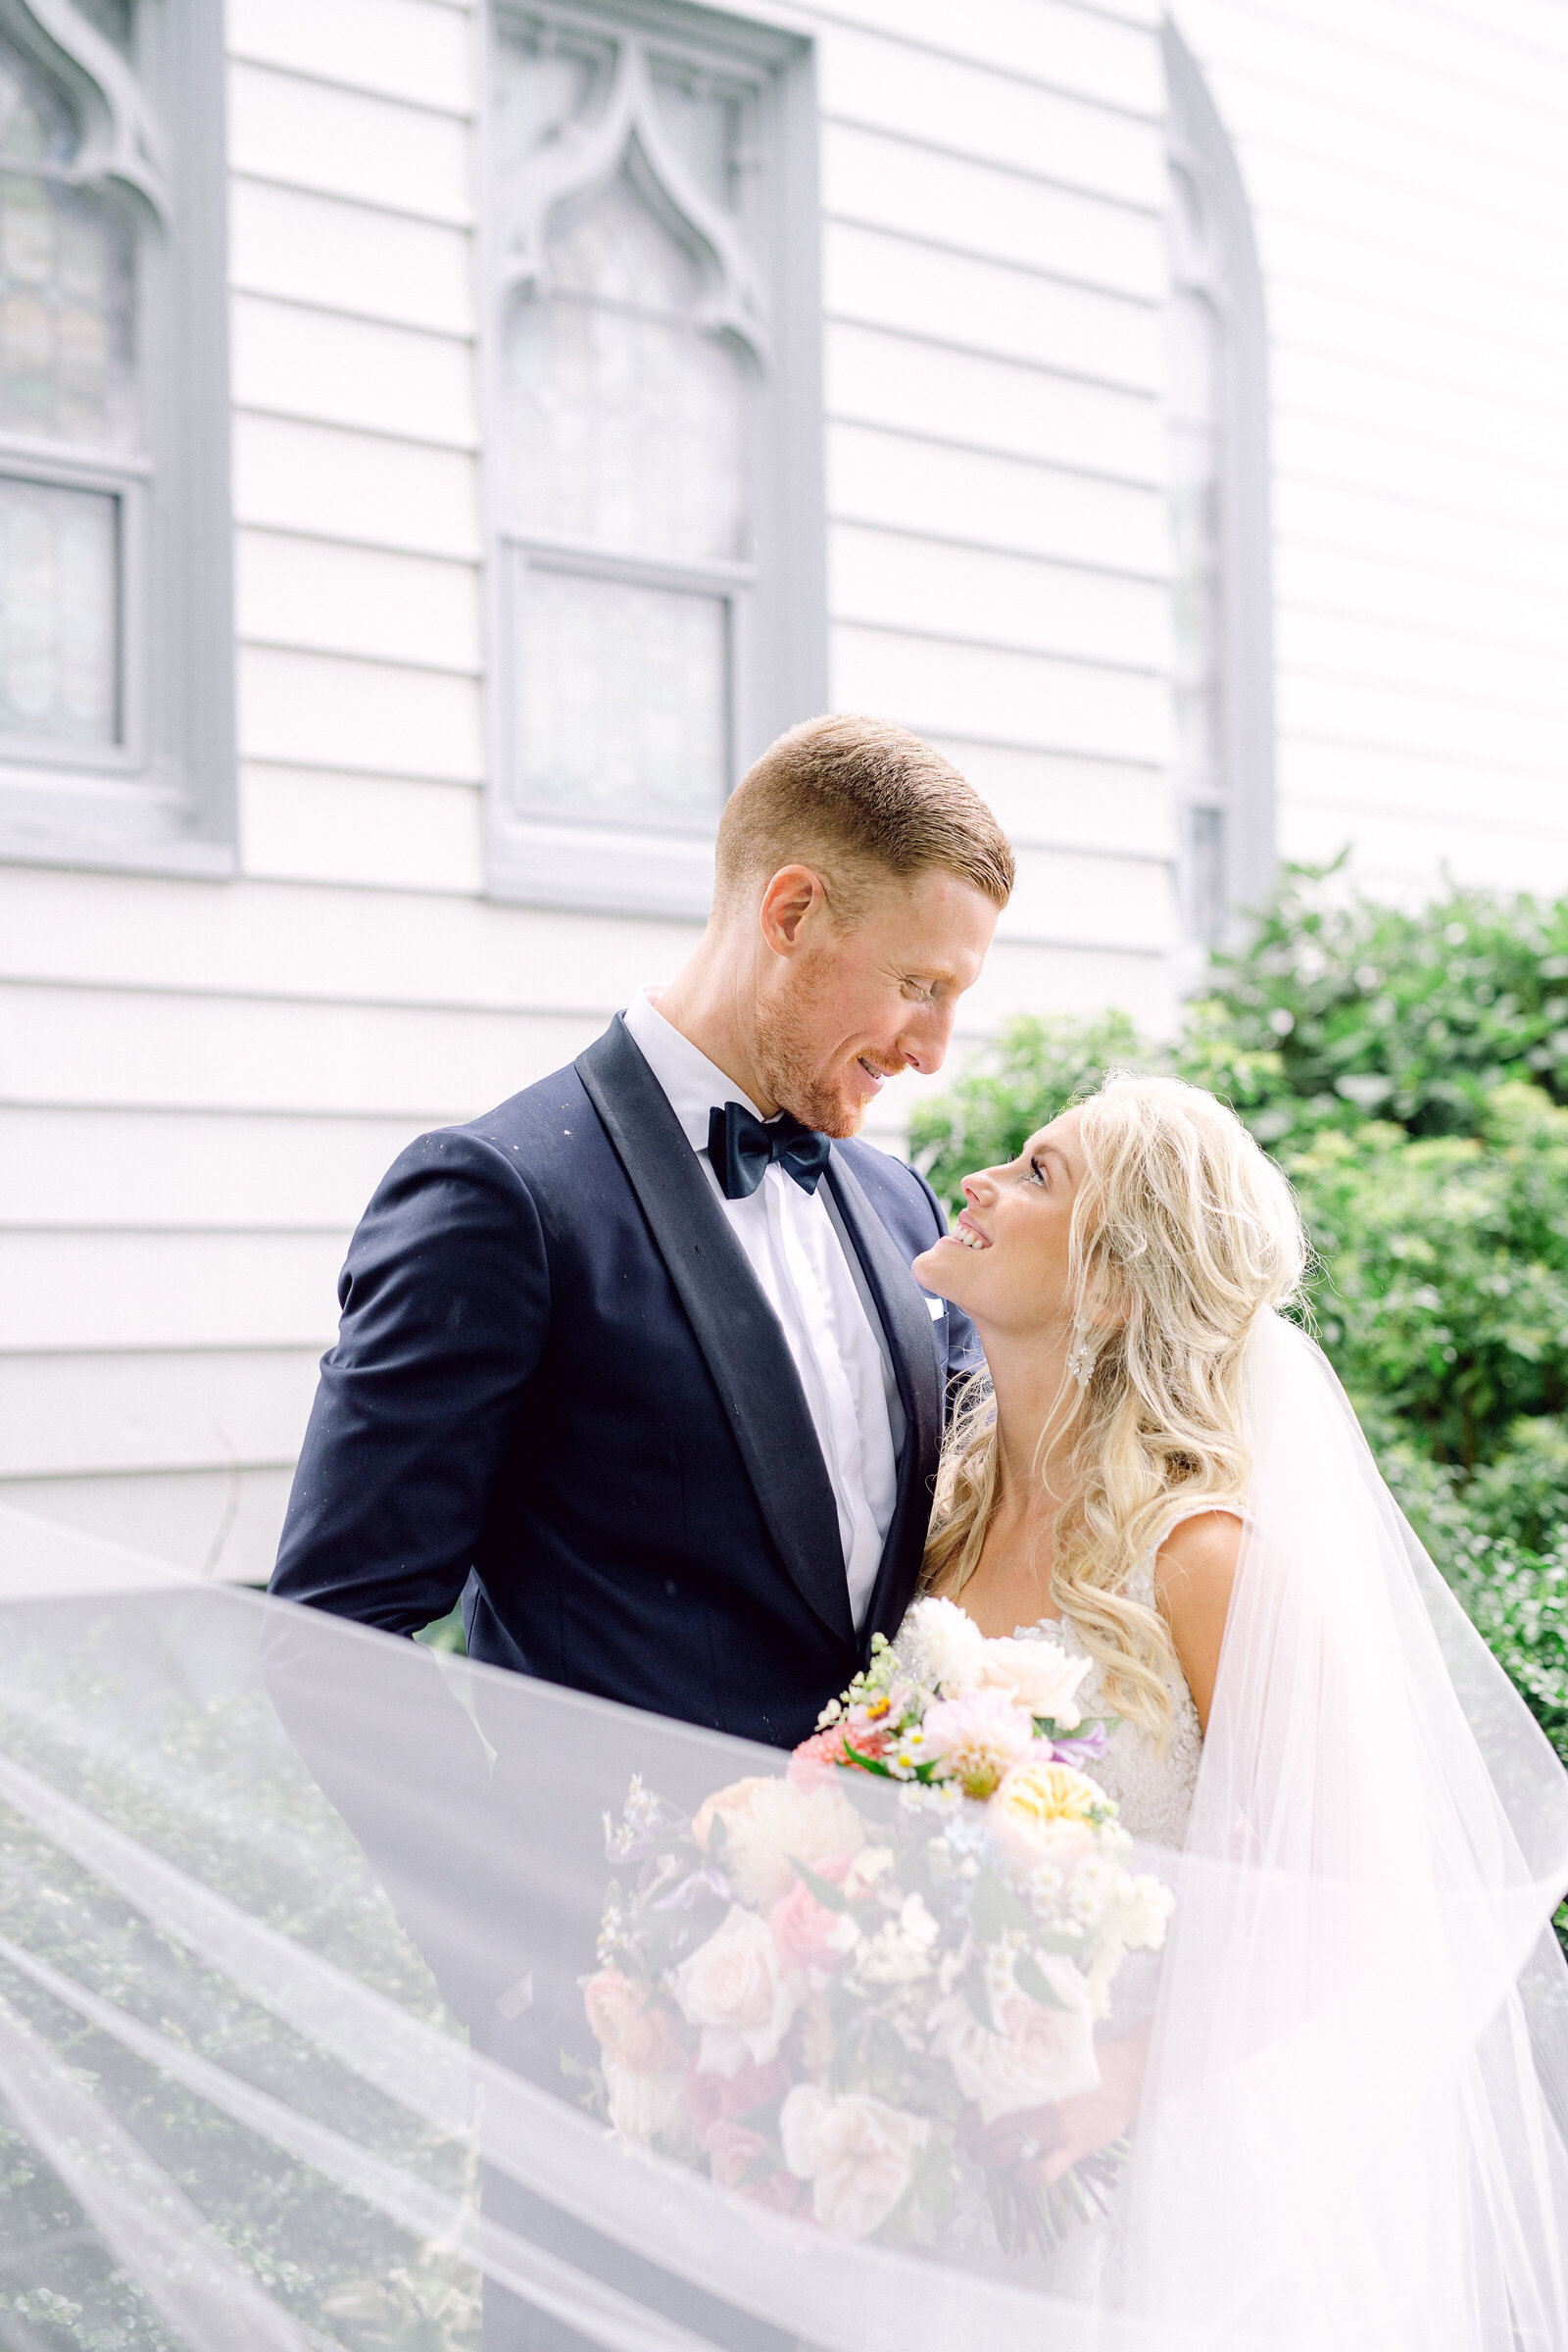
x: 851, y: 795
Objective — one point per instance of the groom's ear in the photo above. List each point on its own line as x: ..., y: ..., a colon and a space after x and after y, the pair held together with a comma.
x: 792, y: 899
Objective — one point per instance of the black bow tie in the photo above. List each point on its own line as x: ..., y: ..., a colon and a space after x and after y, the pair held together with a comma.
x: 742, y: 1150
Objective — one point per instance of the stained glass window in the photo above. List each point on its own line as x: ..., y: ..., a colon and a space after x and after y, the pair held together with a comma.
x: 624, y: 419
x: 67, y: 378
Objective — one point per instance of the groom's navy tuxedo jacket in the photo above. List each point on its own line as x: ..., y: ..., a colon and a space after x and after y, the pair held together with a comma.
x: 560, y: 1392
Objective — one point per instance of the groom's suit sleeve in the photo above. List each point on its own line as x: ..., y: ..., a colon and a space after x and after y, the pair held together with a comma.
x: 445, y: 1299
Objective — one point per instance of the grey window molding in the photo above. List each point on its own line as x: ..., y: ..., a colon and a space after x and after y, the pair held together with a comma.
x: 1226, y: 815
x: 759, y: 302
x: 158, y: 795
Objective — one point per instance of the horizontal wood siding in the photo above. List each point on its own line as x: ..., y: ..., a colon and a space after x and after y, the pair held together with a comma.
x: 200, y: 1084
x: 1408, y: 171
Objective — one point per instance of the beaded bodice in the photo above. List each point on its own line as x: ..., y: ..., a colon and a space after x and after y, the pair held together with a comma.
x: 1151, y: 1781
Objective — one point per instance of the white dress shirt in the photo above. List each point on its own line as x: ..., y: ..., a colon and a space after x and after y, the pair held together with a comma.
x: 794, y: 1246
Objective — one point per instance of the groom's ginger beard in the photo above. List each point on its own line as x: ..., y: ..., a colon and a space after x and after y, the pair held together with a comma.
x: 788, y: 1053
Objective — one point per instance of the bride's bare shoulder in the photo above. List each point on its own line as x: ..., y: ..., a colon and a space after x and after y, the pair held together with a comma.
x: 1193, y: 1579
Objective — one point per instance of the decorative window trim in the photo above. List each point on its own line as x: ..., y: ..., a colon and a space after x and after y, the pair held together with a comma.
x: 161, y: 799
x: 1201, y: 146
x: 777, y: 606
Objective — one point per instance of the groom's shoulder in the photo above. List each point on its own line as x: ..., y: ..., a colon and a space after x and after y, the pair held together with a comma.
x: 900, y: 1194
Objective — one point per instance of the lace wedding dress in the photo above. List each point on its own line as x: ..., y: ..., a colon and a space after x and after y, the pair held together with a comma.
x: 1150, y: 1779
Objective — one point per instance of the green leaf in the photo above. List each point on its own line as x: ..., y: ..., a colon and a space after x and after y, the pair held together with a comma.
x: 1031, y: 1979
x: 994, y: 1908
x: 831, y: 1897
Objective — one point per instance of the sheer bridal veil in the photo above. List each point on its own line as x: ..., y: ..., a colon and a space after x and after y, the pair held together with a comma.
x: 294, y: 1918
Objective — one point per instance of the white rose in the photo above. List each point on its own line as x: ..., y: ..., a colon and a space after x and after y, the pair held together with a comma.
x: 768, y: 1825
x: 1039, y: 1675
x: 645, y: 2107
x: 941, y: 1643
x: 1146, y: 1904
x: 1035, y: 2057
x: 900, y: 1952
x: 734, y: 1988
x: 856, y: 2152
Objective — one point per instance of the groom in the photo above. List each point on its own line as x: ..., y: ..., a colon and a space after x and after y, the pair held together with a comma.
x: 635, y: 1363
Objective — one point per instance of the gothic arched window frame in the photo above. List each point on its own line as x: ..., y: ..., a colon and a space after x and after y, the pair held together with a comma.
x: 760, y: 304
x: 1237, y: 851
x: 155, y: 789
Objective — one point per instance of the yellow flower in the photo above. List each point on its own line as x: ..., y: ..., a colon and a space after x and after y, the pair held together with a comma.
x: 1034, y: 1797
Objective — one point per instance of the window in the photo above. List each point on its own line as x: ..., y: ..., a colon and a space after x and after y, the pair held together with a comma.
x: 655, y: 466
x: 1217, y: 415
x: 115, y: 642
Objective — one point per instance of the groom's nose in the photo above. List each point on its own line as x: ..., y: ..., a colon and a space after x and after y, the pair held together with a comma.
x: 925, y: 1037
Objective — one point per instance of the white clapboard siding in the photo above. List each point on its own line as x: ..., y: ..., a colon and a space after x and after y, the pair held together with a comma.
x: 65, y: 1414
x: 1489, y: 854
x: 903, y: 582
x: 409, y: 158
x: 420, y: 50
x: 356, y: 486
x: 985, y: 501
x: 1358, y: 202
x: 1449, y: 537
x: 1084, y: 51
x: 1398, y: 653
x: 297, y: 361
x: 188, y: 1170
x: 1324, y: 582
x: 991, y: 694
x: 221, y: 1523
x: 906, y: 190
x: 309, y: 824
x: 385, y: 717
x: 304, y: 247
x: 925, y: 388
x: 1062, y: 803
x: 368, y: 946
x: 1417, y: 787
x: 1067, y: 899
x: 295, y: 591
x: 99, y: 1291
x: 1516, y: 305
x: 426, y: 1063
x: 920, y: 94
x: 878, y: 280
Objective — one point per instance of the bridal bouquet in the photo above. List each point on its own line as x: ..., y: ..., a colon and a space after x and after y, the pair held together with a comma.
x: 830, y: 1994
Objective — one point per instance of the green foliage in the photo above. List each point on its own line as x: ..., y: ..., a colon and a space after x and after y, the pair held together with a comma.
x: 1414, y: 1017
x: 1408, y: 1072
x: 1032, y: 1072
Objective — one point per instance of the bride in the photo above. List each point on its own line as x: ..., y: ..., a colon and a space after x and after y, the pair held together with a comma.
x: 1361, y: 2023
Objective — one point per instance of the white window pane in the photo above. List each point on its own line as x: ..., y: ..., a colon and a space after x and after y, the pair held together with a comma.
x: 622, y: 701
x: 58, y: 616
x: 625, y: 417
x: 65, y: 291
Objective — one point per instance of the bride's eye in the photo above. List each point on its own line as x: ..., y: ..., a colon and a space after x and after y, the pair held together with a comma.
x: 1036, y: 1175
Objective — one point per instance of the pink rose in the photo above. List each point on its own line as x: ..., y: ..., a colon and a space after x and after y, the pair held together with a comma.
x: 1036, y: 2057
x: 735, y: 1989
x: 731, y: 2149
x: 714, y: 2099
x: 768, y: 1825
x: 631, y: 2025
x: 856, y: 2152
x: 803, y: 1926
x: 816, y: 1760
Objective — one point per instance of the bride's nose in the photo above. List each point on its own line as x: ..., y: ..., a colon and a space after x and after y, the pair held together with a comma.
x: 977, y: 1187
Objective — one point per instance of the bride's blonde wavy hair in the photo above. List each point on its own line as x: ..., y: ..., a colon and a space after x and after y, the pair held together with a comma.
x: 1181, y: 1232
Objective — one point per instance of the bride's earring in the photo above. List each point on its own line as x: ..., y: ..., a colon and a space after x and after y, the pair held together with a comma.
x: 1080, y: 1356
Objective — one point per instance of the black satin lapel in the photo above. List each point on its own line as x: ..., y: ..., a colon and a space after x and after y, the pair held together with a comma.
x: 735, y: 1328
x: 917, y: 1365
